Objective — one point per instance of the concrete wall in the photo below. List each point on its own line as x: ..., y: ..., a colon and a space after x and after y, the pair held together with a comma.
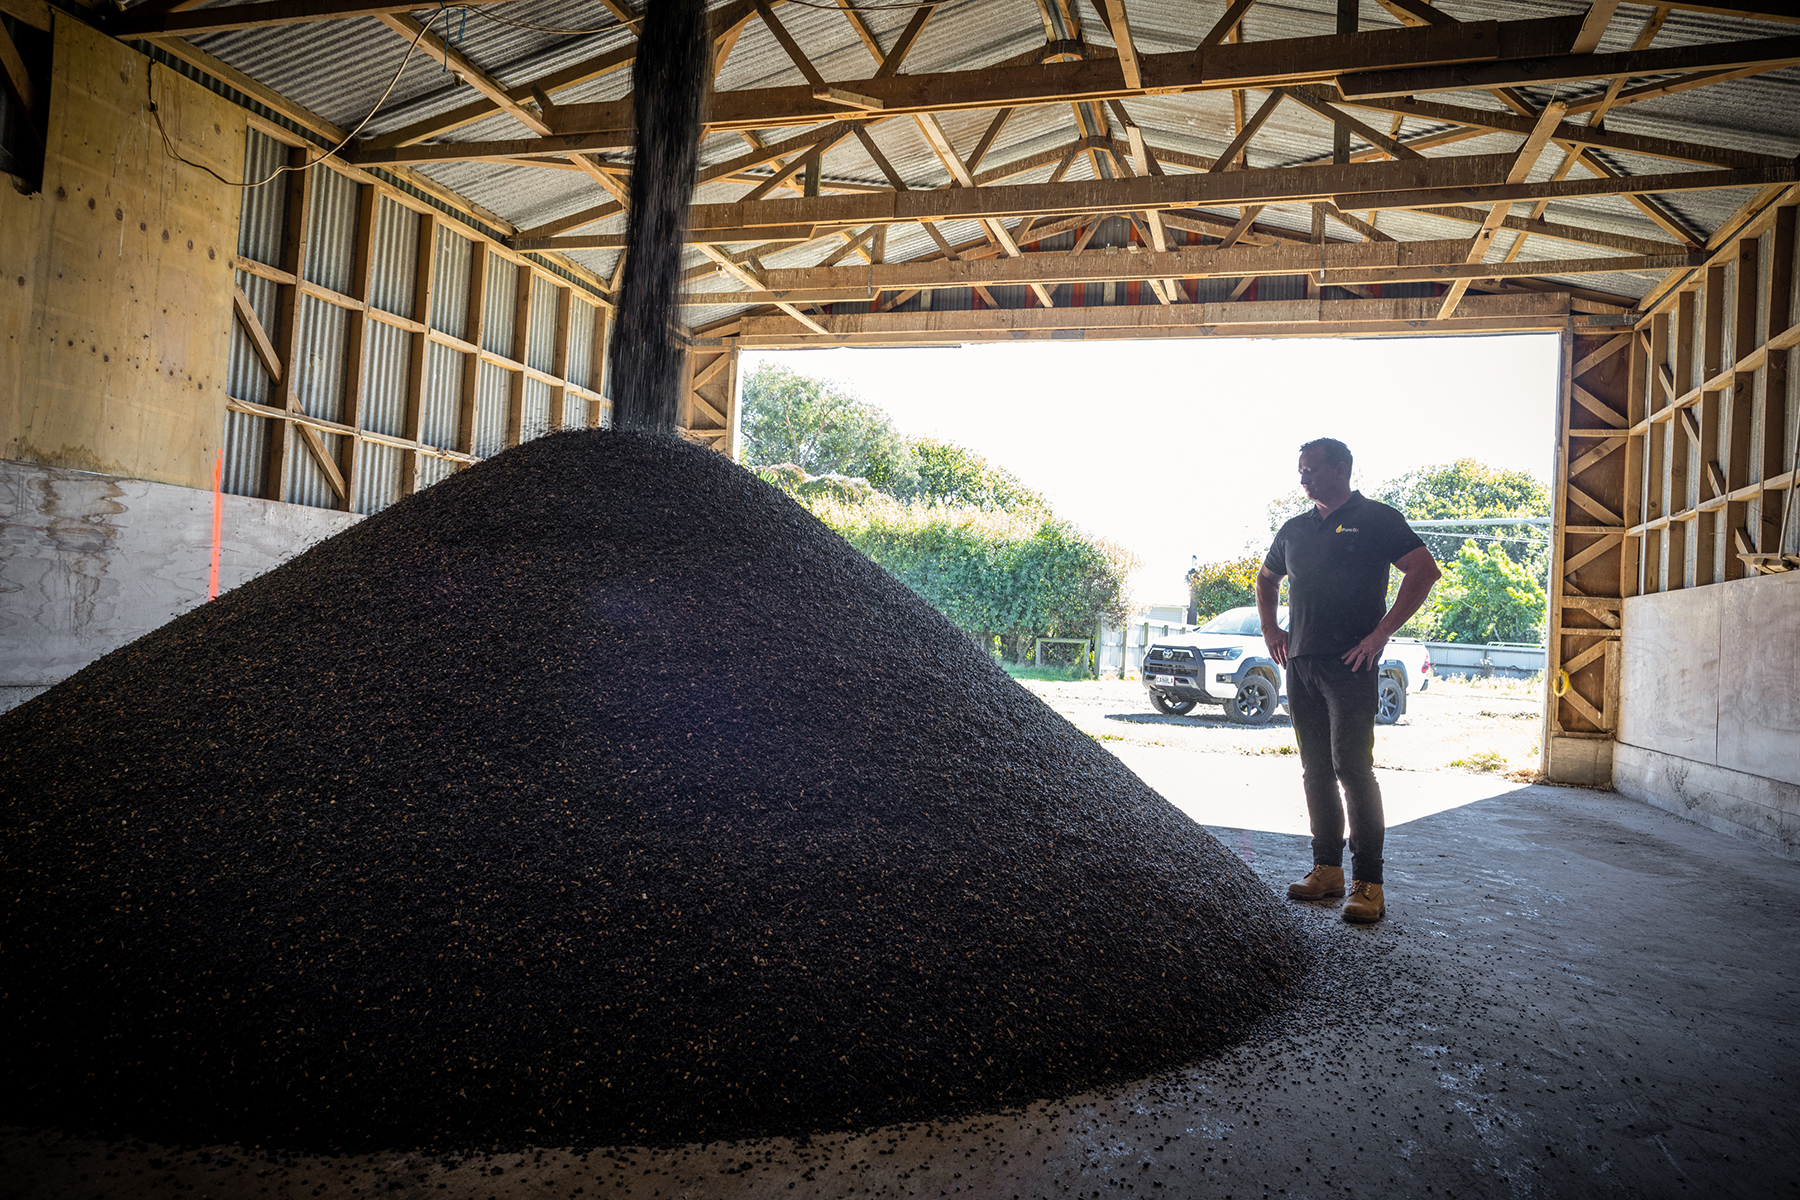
x: 1710, y: 719
x: 115, y: 303
x: 91, y: 562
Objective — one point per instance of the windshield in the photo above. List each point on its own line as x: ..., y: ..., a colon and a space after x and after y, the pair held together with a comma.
x: 1241, y: 622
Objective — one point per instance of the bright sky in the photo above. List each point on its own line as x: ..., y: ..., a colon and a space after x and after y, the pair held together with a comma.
x: 1176, y: 448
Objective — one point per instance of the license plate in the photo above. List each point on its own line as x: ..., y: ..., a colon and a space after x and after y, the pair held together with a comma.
x: 1164, y: 680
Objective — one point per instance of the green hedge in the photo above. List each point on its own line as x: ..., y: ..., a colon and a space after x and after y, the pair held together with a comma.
x: 1012, y: 576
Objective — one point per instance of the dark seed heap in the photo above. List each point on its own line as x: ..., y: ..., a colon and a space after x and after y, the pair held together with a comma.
x: 599, y: 794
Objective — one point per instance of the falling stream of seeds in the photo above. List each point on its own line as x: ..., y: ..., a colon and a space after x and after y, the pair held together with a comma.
x: 669, y: 80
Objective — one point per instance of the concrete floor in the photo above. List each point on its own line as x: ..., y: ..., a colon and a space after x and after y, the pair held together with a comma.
x: 1573, y: 995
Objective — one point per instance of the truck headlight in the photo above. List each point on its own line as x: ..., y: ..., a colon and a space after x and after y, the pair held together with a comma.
x: 1226, y: 653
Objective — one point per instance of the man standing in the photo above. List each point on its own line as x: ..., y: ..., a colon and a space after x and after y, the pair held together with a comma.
x: 1336, y: 558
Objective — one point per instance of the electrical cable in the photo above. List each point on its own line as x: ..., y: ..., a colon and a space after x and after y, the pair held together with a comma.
x: 169, y: 144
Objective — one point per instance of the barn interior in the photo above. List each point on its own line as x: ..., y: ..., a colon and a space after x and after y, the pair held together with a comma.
x: 273, y: 267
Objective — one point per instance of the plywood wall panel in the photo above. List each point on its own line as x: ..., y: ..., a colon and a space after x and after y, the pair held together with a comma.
x: 1759, y: 677
x: 117, y: 341
x: 1669, y: 674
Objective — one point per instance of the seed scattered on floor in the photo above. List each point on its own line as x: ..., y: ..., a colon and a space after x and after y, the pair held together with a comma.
x: 597, y: 795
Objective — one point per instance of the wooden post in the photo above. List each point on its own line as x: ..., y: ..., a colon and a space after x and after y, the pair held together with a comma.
x: 1680, y: 444
x: 1656, y: 488
x: 521, y: 348
x: 559, y: 361
x: 418, y: 350
x: 356, y: 345
x: 1775, y: 377
x: 596, y: 381
x: 1738, y: 413
x: 287, y: 321
x: 470, y: 408
x: 1631, y: 580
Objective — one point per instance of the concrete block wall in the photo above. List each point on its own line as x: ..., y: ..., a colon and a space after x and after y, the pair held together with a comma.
x: 90, y: 562
x: 1710, y: 720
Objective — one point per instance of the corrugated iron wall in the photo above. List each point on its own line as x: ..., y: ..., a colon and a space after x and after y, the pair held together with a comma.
x: 330, y: 306
x: 450, y: 287
x: 442, y: 398
x: 490, y: 410
x: 262, y: 220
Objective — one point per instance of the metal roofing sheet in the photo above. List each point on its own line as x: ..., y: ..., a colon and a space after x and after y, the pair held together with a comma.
x: 340, y: 68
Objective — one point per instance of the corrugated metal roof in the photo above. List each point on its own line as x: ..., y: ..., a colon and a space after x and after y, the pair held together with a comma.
x: 339, y: 69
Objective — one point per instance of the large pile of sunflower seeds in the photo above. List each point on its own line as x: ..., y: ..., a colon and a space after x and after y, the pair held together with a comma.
x: 598, y: 795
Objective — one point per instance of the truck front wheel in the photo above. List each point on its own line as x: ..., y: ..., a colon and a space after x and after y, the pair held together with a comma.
x: 1172, y: 708
x: 1254, y: 703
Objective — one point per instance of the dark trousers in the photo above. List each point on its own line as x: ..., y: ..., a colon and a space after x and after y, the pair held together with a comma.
x: 1334, y: 724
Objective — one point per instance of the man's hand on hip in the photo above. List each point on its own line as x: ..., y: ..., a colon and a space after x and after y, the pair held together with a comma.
x: 1367, y: 653
x: 1276, y: 639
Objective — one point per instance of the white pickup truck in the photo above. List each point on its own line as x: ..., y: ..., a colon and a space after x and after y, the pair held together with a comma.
x: 1225, y: 662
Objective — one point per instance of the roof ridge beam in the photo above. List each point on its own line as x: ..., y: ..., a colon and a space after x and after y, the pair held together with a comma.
x: 1237, y: 65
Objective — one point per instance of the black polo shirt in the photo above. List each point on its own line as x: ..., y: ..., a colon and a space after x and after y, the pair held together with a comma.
x: 1337, y: 570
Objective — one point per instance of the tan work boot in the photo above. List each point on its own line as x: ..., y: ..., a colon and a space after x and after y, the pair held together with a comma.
x: 1365, y: 905
x: 1320, y: 882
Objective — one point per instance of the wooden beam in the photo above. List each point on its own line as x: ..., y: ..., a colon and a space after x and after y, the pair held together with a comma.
x: 1245, y: 64
x: 793, y: 48
x: 287, y: 321
x: 1417, y: 13
x: 973, y: 163
x: 1120, y: 26
x: 259, y: 337
x: 468, y: 407
x: 1335, y: 264
x: 267, y: 15
x: 1759, y: 53
x: 1590, y: 134
x: 1290, y: 318
x: 1344, y: 120
x: 1630, y: 185
x: 1234, y: 13
x: 521, y: 350
x: 1599, y: 16
x: 419, y: 351
x: 356, y: 357
x: 749, y: 278
x: 861, y: 27
x: 1656, y: 91
x: 1424, y: 183
x: 1241, y: 142
x: 1519, y: 171
x: 891, y: 62
x: 456, y: 118
x: 33, y: 13
x: 16, y: 77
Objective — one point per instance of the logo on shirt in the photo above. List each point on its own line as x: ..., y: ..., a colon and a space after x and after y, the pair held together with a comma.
x: 1347, y: 529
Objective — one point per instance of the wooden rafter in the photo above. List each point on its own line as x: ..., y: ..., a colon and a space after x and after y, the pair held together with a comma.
x: 1763, y: 54
x: 1245, y: 64
x: 1335, y: 263
x: 267, y: 15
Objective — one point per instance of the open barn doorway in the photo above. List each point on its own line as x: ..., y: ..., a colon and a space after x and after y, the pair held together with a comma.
x: 1180, y: 456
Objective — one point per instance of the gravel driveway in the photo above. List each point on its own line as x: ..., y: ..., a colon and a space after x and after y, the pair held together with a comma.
x: 1474, y: 725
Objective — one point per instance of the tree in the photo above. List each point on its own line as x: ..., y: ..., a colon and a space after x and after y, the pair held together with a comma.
x: 1216, y: 586
x: 957, y: 476
x: 822, y: 429
x: 1485, y: 596
x: 1015, y: 576
x: 1470, y: 488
